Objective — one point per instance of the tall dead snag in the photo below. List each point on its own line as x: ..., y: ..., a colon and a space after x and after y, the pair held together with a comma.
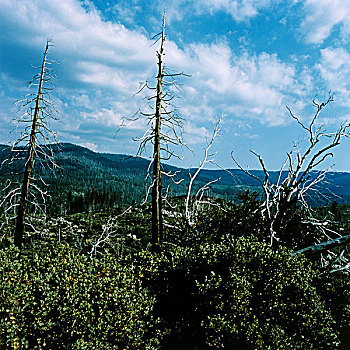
x: 298, y: 178
x: 33, y: 142
x: 165, y: 131
x: 156, y: 179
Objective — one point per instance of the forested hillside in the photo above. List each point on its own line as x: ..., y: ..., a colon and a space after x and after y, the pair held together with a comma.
x: 83, y: 177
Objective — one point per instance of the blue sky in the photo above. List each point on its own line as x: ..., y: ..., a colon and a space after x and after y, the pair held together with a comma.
x: 247, y: 59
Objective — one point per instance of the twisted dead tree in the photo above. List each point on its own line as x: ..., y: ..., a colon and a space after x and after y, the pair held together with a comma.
x: 164, y: 133
x: 33, y: 143
x: 297, y: 179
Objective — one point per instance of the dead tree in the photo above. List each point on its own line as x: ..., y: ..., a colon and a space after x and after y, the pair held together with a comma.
x: 33, y: 143
x: 192, y: 203
x: 156, y: 179
x: 165, y: 132
x: 298, y: 177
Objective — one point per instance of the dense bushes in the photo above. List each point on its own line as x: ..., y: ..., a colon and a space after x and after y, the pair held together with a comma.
x: 56, y: 299
x: 244, y: 217
x: 238, y: 293
x: 230, y: 292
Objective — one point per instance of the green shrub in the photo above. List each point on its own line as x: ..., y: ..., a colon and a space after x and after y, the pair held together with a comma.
x: 238, y: 293
x: 56, y: 299
x: 243, y: 218
x: 335, y: 290
x: 220, y: 219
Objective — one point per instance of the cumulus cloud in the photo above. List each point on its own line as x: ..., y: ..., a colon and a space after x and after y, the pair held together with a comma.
x: 125, y: 11
x: 239, y: 10
x: 194, y: 134
x: 253, y: 86
x: 335, y: 71
x: 81, y: 37
x: 321, y: 17
x: 102, y: 63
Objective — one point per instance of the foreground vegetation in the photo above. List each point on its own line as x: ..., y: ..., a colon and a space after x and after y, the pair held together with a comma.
x: 216, y: 284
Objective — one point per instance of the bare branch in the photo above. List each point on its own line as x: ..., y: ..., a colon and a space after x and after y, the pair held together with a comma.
x: 298, y: 177
x: 206, y: 160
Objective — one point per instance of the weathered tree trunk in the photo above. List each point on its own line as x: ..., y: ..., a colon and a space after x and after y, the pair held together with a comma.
x: 337, y: 242
x: 156, y: 181
x: 23, y: 204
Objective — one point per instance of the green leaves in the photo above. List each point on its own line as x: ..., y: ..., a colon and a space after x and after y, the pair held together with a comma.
x: 238, y: 292
x: 55, y: 299
x: 211, y: 292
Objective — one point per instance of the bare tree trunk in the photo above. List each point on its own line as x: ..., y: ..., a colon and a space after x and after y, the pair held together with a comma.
x: 165, y: 131
x: 23, y: 205
x: 338, y: 242
x: 156, y: 183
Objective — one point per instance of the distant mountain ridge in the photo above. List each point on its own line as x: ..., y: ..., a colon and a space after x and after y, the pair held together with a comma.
x: 82, y: 169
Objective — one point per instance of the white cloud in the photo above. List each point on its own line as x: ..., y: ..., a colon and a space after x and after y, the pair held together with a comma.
x: 82, y: 100
x: 102, y: 63
x: 80, y: 36
x: 239, y: 10
x: 103, y: 76
x: 251, y: 86
x: 125, y: 11
x: 322, y: 16
x: 194, y: 134
x: 90, y: 145
x: 335, y: 71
